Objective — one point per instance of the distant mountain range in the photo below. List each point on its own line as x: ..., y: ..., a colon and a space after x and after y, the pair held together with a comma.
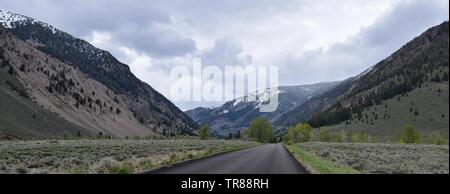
x: 81, y: 83
x: 235, y: 115
x: 410, y: 87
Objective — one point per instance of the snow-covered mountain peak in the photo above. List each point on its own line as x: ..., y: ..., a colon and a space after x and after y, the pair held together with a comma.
x: 9, y: 20
x: 258, y: 96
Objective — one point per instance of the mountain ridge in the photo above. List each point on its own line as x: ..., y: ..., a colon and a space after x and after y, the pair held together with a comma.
x: 147, y: 105
x: 64, y: 91
x: 234, y: 115
x: 420, y: 63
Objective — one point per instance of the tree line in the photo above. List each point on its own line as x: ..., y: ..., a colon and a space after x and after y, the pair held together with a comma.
x: 408, y: 135
x: 260, y: 130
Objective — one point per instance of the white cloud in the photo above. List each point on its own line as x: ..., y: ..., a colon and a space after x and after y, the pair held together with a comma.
x: 139, y: 63
x: 99, y: 38
x: 311, y: 40
x: 340, y: 60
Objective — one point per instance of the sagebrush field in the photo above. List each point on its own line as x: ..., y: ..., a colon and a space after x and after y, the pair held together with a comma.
x: 384, y: 158
x: 104, y: 156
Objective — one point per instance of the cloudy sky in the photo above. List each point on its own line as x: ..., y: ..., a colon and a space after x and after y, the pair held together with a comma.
x: 311, y: 41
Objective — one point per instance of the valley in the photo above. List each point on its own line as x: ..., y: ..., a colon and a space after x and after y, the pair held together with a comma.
x: 105, y: 156
x: 235, y: 115
x: 408, y: 88
x: 68, y: 107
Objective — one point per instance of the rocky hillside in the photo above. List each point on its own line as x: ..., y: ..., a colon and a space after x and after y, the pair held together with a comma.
x: 62, y: 90
x: 22, y: 118
x: 238, y: 113
x: 398, y: 85
x: 150, y: 108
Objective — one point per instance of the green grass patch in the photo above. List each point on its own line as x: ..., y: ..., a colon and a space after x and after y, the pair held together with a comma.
x: 317, y: 165
x: 117, y: 168
x: 122, y: 169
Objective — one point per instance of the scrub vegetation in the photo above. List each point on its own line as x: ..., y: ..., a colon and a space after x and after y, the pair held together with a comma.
x: 104, y: 156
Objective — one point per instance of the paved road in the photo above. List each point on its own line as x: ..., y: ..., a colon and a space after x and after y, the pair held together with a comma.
x: 265, y: 159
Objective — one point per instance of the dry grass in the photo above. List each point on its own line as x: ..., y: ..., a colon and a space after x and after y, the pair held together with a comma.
x: 104, y: 156
x: 384, y: 158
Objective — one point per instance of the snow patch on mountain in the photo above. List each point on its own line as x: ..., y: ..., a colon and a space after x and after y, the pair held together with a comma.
x: 259, y: 97
x: 10, y: 20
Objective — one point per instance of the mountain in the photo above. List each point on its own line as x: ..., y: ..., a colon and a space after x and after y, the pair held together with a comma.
x: 410, y: 87
x: 76, y: 69
x: 238, y: 113
x: 20, y: 116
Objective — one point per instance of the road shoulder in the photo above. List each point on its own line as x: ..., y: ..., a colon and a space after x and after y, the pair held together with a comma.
x: 315, y: 165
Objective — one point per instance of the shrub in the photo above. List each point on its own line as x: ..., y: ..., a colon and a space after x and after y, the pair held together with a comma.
x: 18, y: 88
x: 359, y: 138
x: 338, y: 137
x: 66, y: 136
x: 299, y: 133
x: 409, y: 135
x: 4, y: 63
x: 21, y: 170
x: 173, y: 158
x: 147, y: 164
x: 437, y: 139
x: 286, y: 140
x: 324, y: 135
x: 116, y: 99
x: 22, y: 68
x: 260, y: 130
x: 203, y: 132
x: 111, y: 166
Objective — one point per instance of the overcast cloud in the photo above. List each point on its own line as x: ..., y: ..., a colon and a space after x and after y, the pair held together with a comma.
x: 311, y: 41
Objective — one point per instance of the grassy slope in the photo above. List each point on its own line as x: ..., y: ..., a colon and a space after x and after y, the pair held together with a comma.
x: 315, y: 164
x: 23, y: 118
x: 432, y: 106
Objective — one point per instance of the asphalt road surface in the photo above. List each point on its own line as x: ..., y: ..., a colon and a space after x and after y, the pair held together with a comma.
x: 264, y: 159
